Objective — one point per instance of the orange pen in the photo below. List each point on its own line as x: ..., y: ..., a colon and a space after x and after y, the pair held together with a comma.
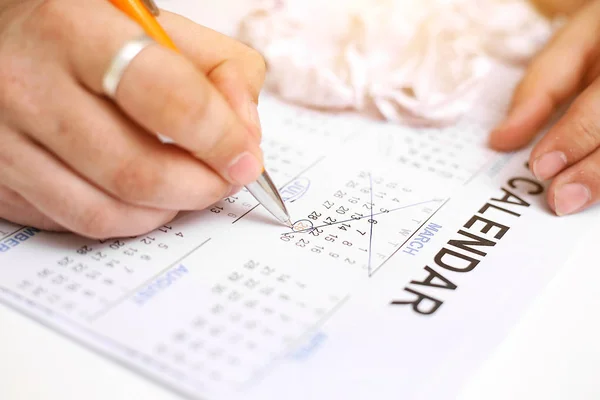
x: 144, y: 12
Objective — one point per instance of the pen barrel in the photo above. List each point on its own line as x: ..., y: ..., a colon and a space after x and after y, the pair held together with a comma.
x: 137, y: 10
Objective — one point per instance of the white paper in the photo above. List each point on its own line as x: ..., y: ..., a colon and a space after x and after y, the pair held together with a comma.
x: 226, y: 303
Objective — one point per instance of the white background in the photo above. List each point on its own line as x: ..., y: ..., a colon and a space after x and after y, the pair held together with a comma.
x: 553, y: 353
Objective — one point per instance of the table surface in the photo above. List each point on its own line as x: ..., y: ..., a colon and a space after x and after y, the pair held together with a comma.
x: 552, y: 353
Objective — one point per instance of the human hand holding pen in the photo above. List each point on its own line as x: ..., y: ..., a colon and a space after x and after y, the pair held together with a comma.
x: 73, y: 160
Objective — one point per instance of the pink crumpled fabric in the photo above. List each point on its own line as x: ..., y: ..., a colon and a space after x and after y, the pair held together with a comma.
x: 420, y: 62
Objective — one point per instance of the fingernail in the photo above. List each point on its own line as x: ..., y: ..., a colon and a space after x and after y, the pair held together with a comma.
x: 254, y: 117
x: 244, y: 169
x: 570, y: 198
x: 548, y: 165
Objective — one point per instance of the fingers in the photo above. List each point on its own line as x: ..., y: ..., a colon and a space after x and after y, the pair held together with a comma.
x: 570, y: 154
x: 237, y: 70
x: 13, y: 207
x: 73, y: 203
x: 228, y: 79
x: 94, y: 139
x: 209, y: 49
x: 161, y: 90
x: 575, y: 136
x: 179, y: 102
x: 577, y: 188
x: 552, y: 78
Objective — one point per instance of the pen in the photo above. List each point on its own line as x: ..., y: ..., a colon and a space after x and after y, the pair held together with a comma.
x: 144, y: 12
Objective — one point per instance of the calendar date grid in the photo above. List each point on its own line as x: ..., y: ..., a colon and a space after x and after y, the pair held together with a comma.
x: 257, y: 313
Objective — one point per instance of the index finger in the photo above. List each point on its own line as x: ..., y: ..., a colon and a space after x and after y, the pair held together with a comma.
x: 553, y: 77
x: 161, y: 90
x: 165, y: 93
x: 235, y: 69
x: 210, y: 50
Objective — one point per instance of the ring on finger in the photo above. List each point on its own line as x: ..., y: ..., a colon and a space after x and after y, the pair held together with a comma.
x: 118, y: 66
x: 114, y: 73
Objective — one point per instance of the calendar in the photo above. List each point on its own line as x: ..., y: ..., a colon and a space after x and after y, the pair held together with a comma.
x: 412, y: 253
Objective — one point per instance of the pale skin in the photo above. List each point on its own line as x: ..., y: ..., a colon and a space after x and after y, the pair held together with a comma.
x: 73, y: 160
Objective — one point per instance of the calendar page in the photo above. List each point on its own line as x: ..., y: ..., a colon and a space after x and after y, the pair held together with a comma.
x: 412, y: 254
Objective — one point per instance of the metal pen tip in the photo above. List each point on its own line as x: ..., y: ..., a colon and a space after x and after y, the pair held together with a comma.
x: 265, y: 191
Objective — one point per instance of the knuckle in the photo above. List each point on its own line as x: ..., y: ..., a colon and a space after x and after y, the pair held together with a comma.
x: 138, y: 182
x: 587, y: 132
x: 22, y: 57
x: 18, y: 93
x: 257, y: 63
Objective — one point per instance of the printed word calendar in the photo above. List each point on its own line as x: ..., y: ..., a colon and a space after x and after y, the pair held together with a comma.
x: 413, y: 252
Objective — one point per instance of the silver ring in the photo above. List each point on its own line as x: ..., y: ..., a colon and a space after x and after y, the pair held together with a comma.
x: 119, y: 64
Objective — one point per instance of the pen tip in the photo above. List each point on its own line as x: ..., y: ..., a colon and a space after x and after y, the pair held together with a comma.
x: 289, y: 223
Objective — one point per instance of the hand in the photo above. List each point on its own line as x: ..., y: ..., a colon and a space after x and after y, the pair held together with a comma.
x: 568, y: 154
x: 70, y: 159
